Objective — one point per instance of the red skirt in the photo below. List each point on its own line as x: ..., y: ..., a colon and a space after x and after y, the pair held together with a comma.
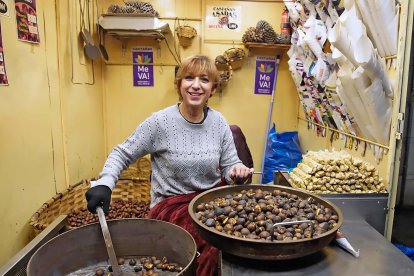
x: 174, y: 209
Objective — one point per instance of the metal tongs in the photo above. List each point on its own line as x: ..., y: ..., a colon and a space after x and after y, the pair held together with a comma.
x: 286, y: 223
x: 113, y: 261
x: 238, y: 180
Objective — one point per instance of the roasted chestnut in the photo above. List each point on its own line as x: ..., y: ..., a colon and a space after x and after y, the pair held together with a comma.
x: 132, y: 262
x: 252, y: 213
x: 99, y: 272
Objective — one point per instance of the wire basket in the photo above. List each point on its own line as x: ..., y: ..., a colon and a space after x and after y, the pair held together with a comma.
x: 235, y: 57
x: 185, y: 35
x: 132, y: 188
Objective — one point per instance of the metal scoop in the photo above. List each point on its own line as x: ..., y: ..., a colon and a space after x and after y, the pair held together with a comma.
x: 113, y: 261
x: 288, y: 223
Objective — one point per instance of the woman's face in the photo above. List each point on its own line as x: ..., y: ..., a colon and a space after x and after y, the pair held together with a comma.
x: 196, y: 90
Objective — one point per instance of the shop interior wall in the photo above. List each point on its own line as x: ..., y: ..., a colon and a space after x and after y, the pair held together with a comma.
x: 127, y: 106
x: 51, y: 128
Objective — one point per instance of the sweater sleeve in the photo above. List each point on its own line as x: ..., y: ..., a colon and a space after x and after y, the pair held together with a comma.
x: 229, y: 156
x: 140, y: 143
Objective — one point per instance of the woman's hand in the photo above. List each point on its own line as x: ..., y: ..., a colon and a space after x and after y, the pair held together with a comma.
x: 240, y: 173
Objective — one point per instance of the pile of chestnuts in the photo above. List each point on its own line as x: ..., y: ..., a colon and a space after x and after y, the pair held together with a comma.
x: 252, y: 214
x: 332, y: 172
x: 144, y: 266
x: 117, y: 209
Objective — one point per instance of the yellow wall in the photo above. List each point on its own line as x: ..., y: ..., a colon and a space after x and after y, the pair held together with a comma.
x: 51, y: 131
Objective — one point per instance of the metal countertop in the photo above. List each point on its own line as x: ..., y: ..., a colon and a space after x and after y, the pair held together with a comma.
x: 377, y: 257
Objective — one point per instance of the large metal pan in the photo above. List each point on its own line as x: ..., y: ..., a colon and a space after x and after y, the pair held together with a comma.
x: 256, y: 249
x: 84, y: 246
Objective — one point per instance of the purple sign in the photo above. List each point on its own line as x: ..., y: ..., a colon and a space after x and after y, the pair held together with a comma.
x: 143, y: 68
x: 265, y: 75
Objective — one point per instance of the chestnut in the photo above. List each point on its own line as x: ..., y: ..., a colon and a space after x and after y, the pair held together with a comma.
x: 121, y: 261
x: 132, y: 262
x: 99, y: 272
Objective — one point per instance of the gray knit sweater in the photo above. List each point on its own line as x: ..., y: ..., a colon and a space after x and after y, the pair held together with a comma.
x: 185, y: 157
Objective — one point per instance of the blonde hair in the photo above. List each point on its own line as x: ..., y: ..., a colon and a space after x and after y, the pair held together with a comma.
x: 196, y: 65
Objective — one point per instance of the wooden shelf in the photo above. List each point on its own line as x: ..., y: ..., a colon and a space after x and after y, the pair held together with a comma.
x: 281, y: 47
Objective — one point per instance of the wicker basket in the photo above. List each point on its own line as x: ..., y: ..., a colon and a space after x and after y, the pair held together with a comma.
x: 236, y: 64
x: 140, y: 169
x: 185, y: 35
x: 222, y: 66
x: 225, y: 76
x: 235, y: 57
x: 127, y: 188
x: 221, y: 63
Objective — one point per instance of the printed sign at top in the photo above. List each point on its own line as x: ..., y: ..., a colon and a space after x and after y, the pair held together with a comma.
x: 223, y: 18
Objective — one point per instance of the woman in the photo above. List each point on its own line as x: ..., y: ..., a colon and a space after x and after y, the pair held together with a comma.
x: 192, y: 150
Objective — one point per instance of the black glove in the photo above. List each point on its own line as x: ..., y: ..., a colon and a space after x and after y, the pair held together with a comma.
x: 98, y: 196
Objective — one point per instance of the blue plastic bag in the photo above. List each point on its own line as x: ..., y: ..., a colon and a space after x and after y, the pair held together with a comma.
x: 282, y: 153
x: 408, y: 251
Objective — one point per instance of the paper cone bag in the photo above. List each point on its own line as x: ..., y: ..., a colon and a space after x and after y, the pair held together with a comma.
x: 372, y: 29
x: 354, y: 102
x: 379, y: 109
x: 338, y: 37
x: 353, y: 25
x: 361, y: 80
x: 380, y: 24
x: 313, y: 43
x: 338, y: 57
x: 373, y: 66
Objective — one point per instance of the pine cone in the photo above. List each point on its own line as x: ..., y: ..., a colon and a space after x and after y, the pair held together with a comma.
x: 146, y: 8
x: 253, y: 35
x: 126, y: 9
x: 259, y: 36
x: 114, y: 8
x: 262, y: 24
x: 249, y: 35
x: 269, y: 35
x: 134, y: 4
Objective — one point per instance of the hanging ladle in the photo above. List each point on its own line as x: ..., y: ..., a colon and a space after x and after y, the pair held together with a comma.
x: 113, y: 261
x: 90, y: 50
x: 104, y: 53
x: 101, y: 37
